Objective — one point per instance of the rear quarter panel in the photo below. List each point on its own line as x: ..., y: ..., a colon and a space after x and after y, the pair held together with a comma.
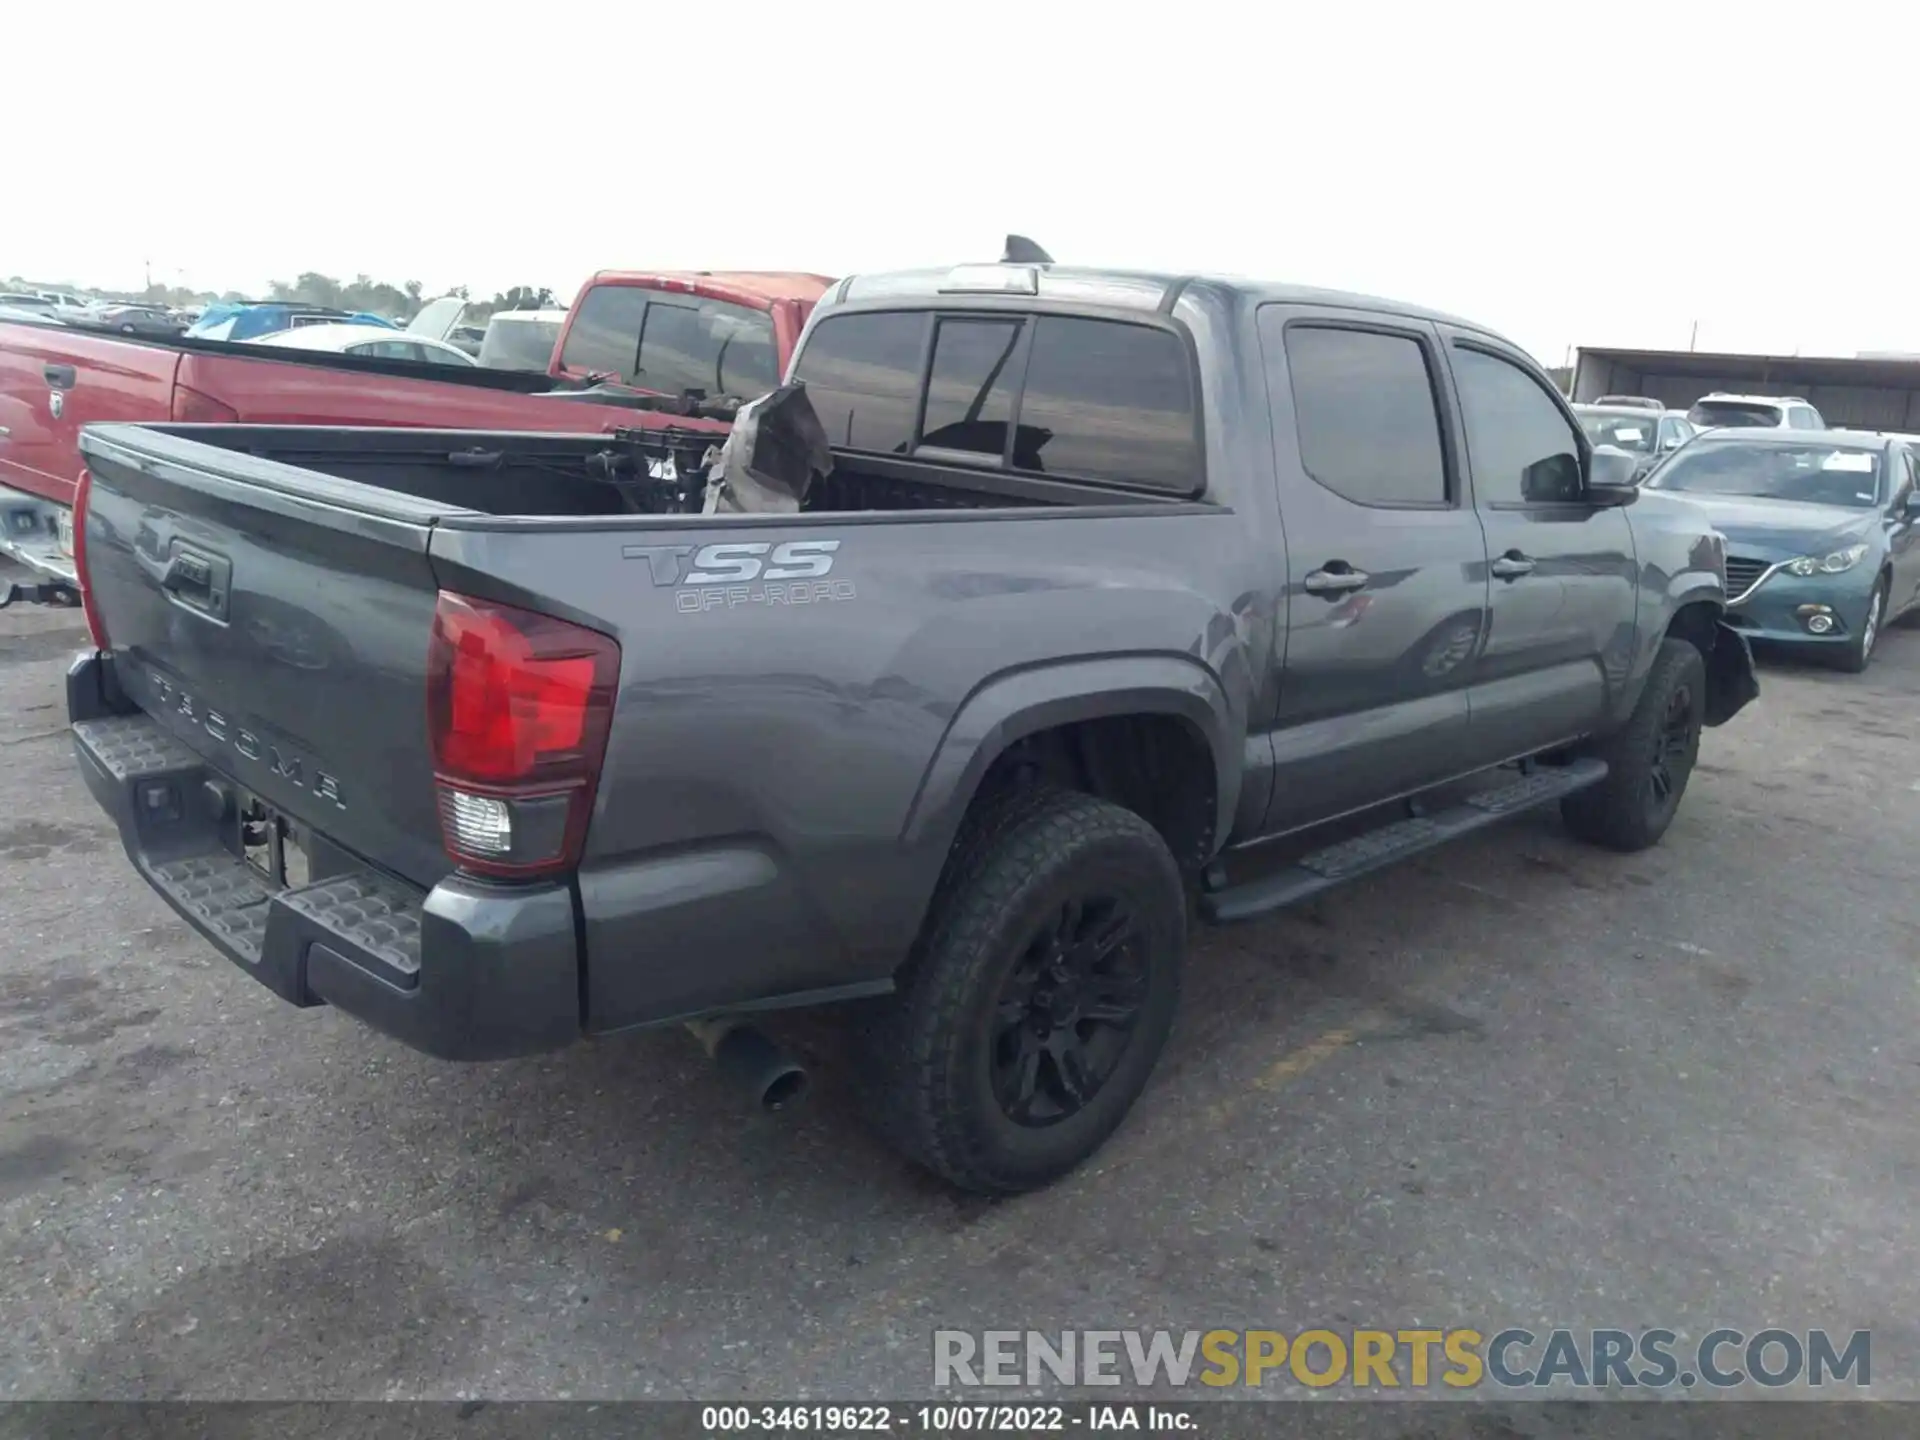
x: 793, y: 742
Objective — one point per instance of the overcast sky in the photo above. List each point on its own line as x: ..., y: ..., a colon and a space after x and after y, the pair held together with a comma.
x: 1565, y: 177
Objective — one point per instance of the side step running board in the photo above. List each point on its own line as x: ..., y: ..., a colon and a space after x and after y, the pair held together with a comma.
x: 1323, y: 869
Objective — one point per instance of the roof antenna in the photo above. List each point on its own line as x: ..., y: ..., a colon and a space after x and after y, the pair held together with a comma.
x: 1022, y: 251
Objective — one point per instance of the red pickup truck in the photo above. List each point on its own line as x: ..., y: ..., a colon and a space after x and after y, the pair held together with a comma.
x: 664, y: 333
x: 724, y: 332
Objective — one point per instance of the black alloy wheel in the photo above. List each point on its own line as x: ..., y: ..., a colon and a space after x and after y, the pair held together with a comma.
x: 1068, y: 1010
x: 1675, y: 744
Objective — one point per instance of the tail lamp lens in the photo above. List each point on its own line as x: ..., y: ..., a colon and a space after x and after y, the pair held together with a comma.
x: 518, y: 707
x: 82, y: 499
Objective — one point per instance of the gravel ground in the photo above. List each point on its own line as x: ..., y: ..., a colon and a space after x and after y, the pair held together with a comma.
x: 1517, y: 1082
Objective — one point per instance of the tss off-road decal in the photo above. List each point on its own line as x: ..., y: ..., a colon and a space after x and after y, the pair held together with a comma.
x: 729, y: 574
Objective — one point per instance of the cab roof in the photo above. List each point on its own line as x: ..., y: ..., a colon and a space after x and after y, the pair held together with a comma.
x: 1143, y: 290
x: 759, y: 288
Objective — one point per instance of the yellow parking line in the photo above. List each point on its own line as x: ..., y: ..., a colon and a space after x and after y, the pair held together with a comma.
x: 1295, y: 1063
x: 989, y: 1235
x: 1314, y: 1052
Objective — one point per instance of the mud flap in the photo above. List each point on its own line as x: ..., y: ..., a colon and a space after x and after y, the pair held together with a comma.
x: 1731, y: 680
x: 776, y: 450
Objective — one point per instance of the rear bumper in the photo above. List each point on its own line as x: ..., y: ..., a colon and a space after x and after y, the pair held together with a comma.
x: 465, y: 971
x: 30, y: 534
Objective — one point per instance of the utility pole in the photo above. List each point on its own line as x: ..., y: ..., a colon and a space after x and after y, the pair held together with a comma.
x: 147, y: 265
x: 1694, y: 338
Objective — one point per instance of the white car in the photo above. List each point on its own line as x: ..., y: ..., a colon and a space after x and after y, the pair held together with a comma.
x: 27, y: 300
x: 370, y: 342
x: 521, y: 339
x: 1754, y: 412
x: 20, y: 315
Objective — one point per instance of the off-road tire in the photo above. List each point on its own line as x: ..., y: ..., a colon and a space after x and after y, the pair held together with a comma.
x: 1623, y: 811
x: 925, y: 1053
x: 1858, y: 652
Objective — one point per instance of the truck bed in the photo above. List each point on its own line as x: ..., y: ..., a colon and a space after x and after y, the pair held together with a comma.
x: 274, y: 617
x: 659, y: 470
x: 100, y: 377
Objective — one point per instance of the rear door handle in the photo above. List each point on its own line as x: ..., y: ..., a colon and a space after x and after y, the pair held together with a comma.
x: 1512, y: 565
x: 1329, y: 581
x: 60, y: 377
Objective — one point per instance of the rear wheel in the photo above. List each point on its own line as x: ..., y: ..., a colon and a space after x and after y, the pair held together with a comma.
x: 1649, y: 759
x: 1859, y: 654
x: 1038, y: 999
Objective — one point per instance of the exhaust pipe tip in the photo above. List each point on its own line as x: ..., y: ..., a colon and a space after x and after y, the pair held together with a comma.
x: 771, y: 1077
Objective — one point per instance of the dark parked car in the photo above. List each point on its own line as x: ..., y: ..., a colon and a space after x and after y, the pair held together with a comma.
x: 141, y: 320
x: 496, y: 739
x: 1820, y: 529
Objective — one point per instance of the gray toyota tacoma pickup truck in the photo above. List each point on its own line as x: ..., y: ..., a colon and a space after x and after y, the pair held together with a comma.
x: 1111, y: 581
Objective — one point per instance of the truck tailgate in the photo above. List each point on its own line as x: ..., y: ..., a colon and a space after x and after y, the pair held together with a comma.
x: 277, y: 624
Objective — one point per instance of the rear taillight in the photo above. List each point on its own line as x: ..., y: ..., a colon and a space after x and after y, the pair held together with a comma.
x: 82, y: 496
x: 518, y: 706
x: 190, y: 407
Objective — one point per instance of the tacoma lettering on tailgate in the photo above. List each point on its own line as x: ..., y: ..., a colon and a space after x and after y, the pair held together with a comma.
x: 180, y: 709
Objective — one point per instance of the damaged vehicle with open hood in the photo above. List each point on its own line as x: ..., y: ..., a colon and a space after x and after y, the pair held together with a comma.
x: 1037, y: 613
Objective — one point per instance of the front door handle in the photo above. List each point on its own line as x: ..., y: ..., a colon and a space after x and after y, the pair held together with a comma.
x: 60, y: 377
x: 1512, y: 565
x: 1330, y: 581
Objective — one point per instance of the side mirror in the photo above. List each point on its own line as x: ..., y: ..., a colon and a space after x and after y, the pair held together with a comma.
x: 1613, y: 477
x: 1611, y: 469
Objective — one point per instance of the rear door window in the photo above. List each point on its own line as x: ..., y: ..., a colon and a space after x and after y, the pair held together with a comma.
x: 1105, y: 400
x: 389, y: 350
x: 1366, y: 415
x: 1734, y: 414
x: 605, y: 337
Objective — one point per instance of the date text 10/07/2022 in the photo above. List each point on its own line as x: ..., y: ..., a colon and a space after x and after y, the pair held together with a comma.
x: 944, y: 1419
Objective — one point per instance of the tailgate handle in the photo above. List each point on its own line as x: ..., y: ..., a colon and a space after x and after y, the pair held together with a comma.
x: 60, y: 377
x: 197, y: 581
